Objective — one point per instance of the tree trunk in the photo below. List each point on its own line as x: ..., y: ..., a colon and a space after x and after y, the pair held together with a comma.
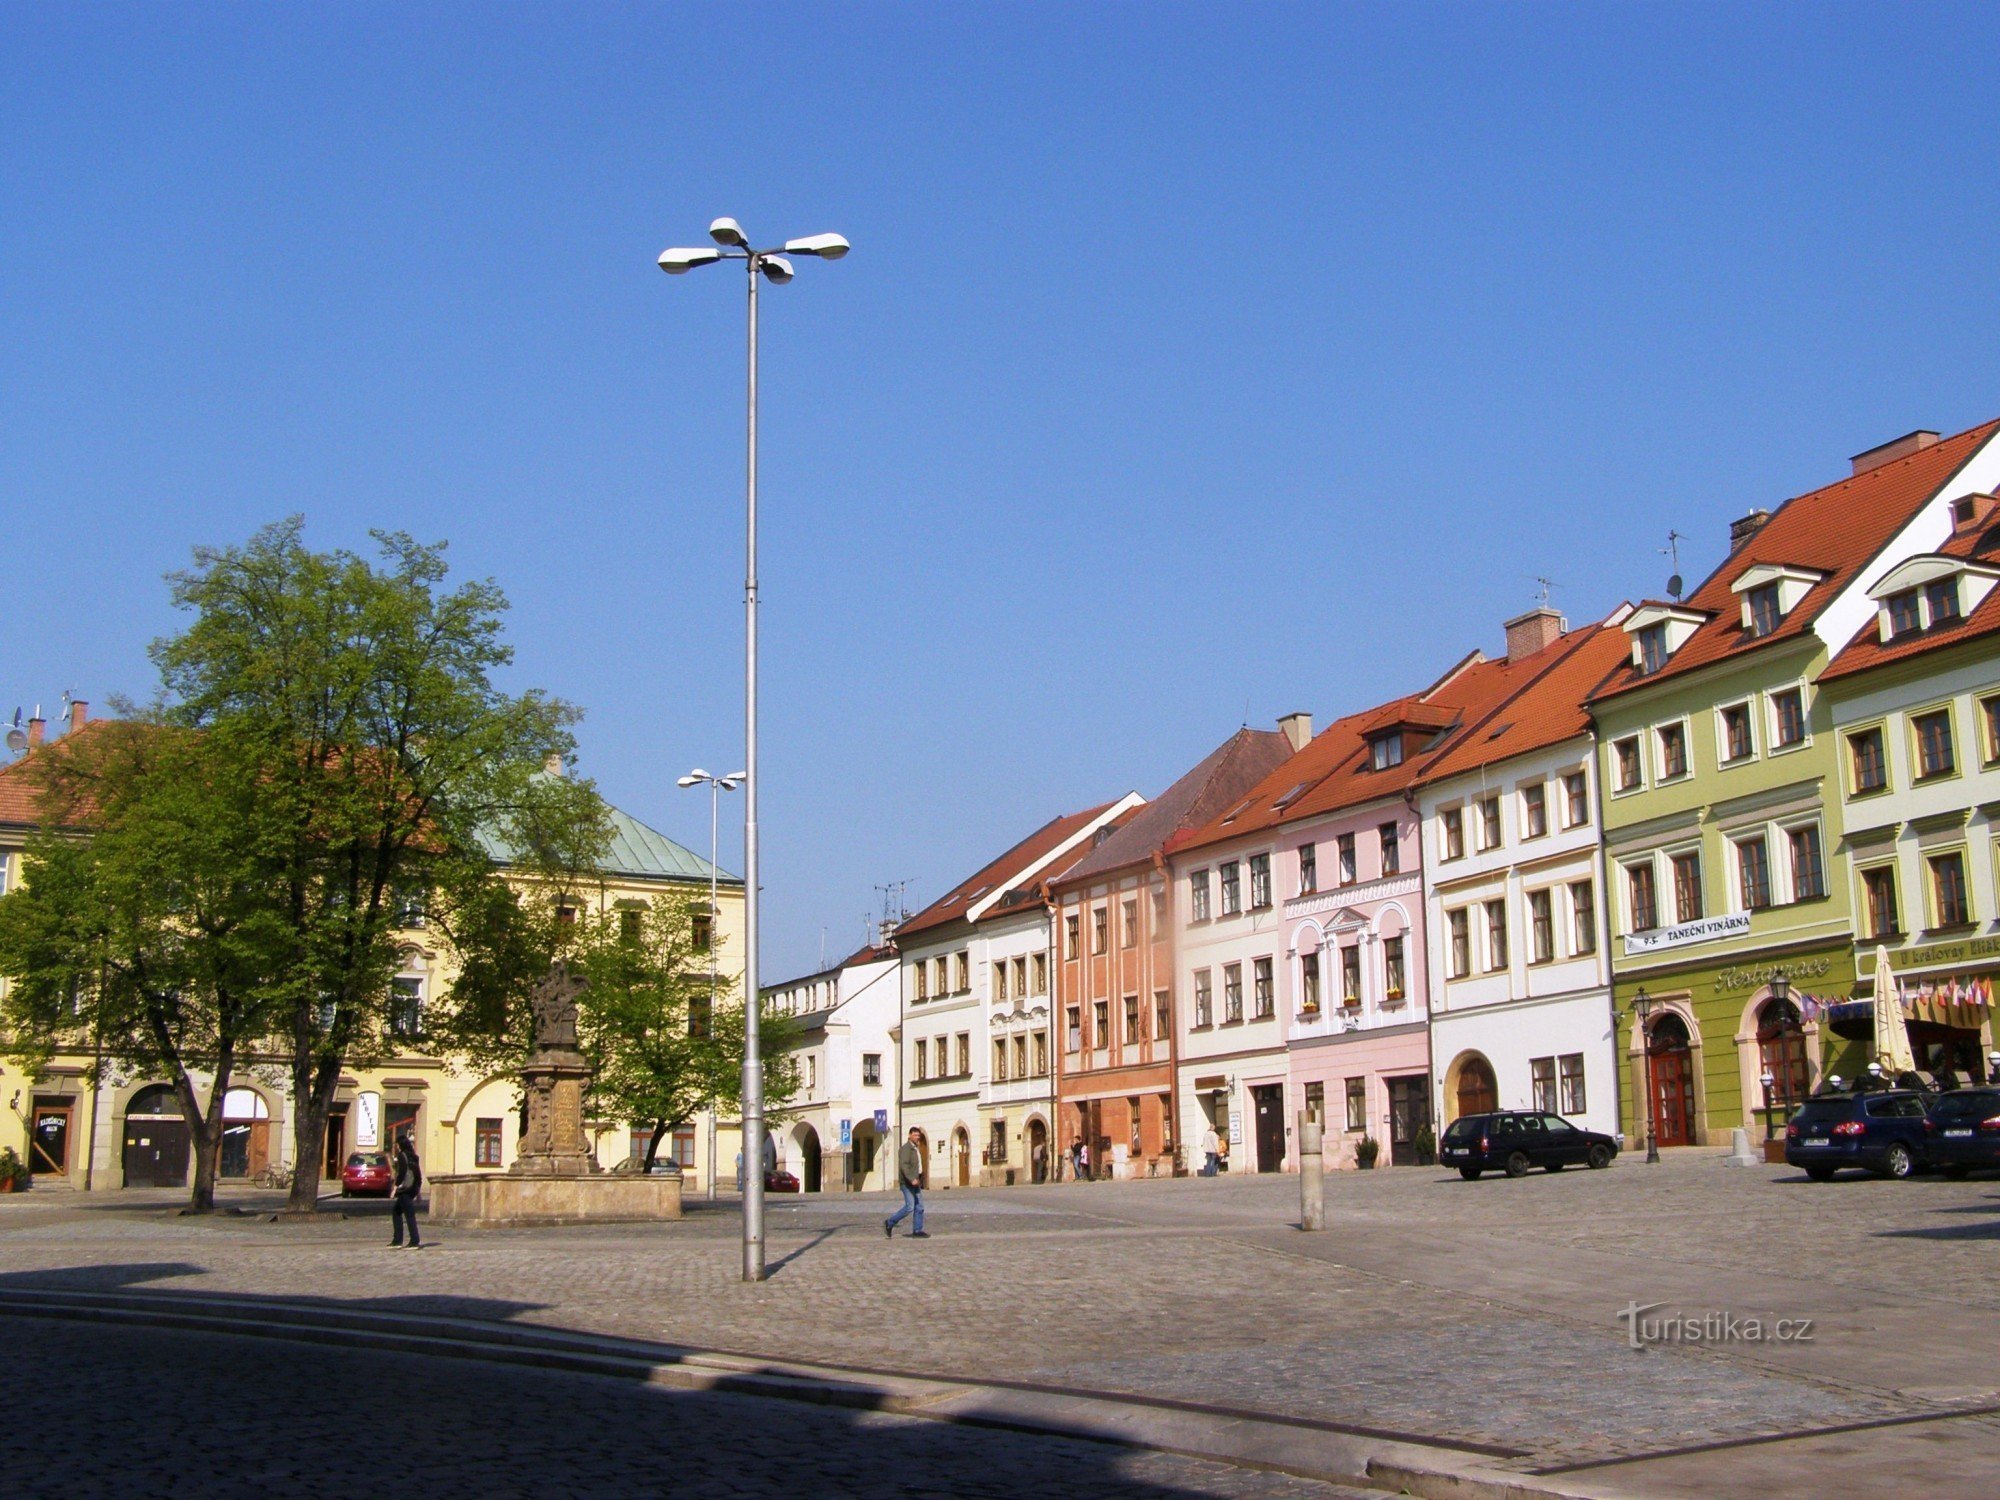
x: 313, y: 1087
x: 204, y: 1134
x: 653, y: 1145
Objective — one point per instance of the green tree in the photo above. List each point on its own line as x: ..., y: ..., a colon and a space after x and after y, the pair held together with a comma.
x: 143, y: 933
x: 389, y: 763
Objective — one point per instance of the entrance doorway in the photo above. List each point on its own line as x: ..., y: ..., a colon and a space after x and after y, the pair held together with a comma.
x: 1478, y: 1092
x: 1038, y: 1151
x: 861, y: 1157
x: 1268, y: 1100
x: 1409, y: 1117
x: 961, y: 1157
x: 1671, y: 1059
x: 156, y: 1139
x: 336, y: 1143
x: 246, y: 1133
x: 809, y: 1164
x: 48, y: 1138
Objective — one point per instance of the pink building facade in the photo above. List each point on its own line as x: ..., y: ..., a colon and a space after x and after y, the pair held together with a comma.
x: 1357, y: 1034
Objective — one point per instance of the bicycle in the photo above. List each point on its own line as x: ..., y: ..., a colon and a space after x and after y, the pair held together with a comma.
x: 275, y: 1175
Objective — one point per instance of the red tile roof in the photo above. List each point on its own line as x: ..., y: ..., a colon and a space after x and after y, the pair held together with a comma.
x: 1544, y: 711
x: 20, y: 780
x: 1867, y: 649
x: 1216, y: 784
x: 1835, y: 531
x: 1003, y: 872
x: 1335, y: 771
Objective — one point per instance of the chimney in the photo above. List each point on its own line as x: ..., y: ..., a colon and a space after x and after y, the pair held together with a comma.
x: 78, y: 712
x: 1298, y: 728
x: 1740, y: 531
x: 1540, y: 628
x: 37, y: 727
x: 553, y: 763
x: 1895, y: 448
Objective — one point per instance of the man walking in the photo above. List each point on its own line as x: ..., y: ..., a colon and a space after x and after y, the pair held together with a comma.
x: 910, y: 1171
x: 403, y: 1207
x: 1211, y: 1152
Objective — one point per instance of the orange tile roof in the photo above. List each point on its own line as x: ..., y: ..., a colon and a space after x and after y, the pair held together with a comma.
x: 1334, y: 770
x: 20, y: 788
x: 1835, y: 530
x: 1868, y: 650
x: 1002, y: 872
x: 1544, y: 711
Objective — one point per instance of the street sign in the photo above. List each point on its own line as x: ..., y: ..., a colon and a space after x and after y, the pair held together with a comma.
x: 881, y: 1119
x: 846, y: 1132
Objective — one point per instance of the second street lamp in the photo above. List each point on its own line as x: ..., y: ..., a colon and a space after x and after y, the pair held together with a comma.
x: 773, y: 266
x: 717, y: 785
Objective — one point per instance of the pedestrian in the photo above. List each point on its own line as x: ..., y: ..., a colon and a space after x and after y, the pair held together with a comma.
x: 910, y: 1172
x: 1211, y: 1152
x: 409, y: 1180
x: 1040, y: 1162
x: 1082, y: 1162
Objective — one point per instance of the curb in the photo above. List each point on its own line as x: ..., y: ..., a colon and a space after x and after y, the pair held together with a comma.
x: 1240, y: 1439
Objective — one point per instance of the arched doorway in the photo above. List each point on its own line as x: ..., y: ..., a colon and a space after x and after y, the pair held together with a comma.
x: 961, y: 1157
x: 156, y: 1139
x: 809, y: 1165
x: 246, y: 1133
x: 1671, y: 1061
x: 861, y: 1156
x: 1781, y: 1050
x: 1477, y: 1091
x: 1038, y: 1151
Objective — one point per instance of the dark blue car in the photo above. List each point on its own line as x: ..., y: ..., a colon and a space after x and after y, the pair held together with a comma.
x: 1882, y: 1133
x: 1965, y: 1130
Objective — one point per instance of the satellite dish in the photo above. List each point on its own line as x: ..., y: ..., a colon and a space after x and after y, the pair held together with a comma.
x: 1674, y: 585
x: 17, y: 739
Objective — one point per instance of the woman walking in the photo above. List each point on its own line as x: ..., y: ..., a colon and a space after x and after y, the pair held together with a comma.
x: 403, y: 1206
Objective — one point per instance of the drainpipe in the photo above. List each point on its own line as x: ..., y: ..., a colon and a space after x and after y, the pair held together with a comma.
x: 1604, y: 939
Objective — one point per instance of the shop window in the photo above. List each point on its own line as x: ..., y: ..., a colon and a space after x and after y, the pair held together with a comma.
x: 486, y: 1143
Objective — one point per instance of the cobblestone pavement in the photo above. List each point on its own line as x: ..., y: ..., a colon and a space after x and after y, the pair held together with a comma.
x: 439, y: 1429
x: 1479, y: 1311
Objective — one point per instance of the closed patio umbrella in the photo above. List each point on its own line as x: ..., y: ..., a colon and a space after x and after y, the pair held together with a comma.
x: 1892, y: 1037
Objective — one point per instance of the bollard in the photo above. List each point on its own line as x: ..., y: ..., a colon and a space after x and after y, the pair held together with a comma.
x: 1312, y: 1175
x: 1740, y: 1154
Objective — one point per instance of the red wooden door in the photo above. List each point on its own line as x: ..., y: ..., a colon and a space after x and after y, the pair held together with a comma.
x: 1673, y: 1095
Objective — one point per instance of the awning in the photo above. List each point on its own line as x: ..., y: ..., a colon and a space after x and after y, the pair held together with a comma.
x: 1934, y: 1007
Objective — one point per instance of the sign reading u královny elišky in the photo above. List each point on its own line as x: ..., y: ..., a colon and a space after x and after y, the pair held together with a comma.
x: 1706, y: 930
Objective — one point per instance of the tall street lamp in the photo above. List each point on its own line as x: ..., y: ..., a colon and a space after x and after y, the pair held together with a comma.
x: 717, y: 785
x: 1643, y: 1006
x: 771, y: 264
x: 1781, y: 991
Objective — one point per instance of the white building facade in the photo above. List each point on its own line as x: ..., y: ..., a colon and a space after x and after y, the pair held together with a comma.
x: 832, y: 1135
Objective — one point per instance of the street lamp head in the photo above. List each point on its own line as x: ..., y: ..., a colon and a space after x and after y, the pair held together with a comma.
x: 728, y: 232
x: 739, y: 776
x: 1781, y: 985
x: 776, y: 267
x: 680, y: 260
x: 825, y: 246
x: 689, y: 781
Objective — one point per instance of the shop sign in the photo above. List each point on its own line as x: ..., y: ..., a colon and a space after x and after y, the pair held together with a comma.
x: 1707, y: 930
x: 1942, y: 953
x: 1751, y: 976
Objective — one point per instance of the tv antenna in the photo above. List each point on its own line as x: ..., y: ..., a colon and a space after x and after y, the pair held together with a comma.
x: 1542, y: 594
x: 1673, y: 550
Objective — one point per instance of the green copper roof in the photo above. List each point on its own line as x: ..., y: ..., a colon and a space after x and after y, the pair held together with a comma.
x: 635, y: 849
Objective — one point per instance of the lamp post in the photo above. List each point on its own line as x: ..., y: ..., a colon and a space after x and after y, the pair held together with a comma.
x: 717, y: 785
x: 1781, y: 992
x: 732, y: 244
x: 1643, y: 1006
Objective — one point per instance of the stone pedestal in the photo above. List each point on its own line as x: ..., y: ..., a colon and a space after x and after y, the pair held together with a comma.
x: 506, y: 1200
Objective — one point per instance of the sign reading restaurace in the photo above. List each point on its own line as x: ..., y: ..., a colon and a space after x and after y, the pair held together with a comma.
x: 1706, y: 930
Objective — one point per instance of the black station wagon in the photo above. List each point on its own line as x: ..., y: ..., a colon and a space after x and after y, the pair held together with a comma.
x: 1514, y: 1140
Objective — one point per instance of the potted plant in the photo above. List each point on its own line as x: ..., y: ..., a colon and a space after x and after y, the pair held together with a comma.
x: 1365, y: 1152
x: 13, y: 1171
x: 1426, y: 1147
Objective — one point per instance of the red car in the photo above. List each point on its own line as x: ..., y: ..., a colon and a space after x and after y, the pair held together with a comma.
x: 366, y: 1172
x: 780, y: 1181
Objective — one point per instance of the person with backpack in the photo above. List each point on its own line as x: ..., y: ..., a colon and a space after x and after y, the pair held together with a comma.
x: 409, y: 1180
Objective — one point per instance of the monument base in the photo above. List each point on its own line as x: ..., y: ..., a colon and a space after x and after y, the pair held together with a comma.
x: 504, y: 1201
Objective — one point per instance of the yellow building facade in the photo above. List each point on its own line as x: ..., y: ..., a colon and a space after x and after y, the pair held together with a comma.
x: 126, y: 1129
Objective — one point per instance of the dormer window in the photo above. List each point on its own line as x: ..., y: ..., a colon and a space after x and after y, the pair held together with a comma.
x: 1906, y: 615
x: 1762, y: 606
x: 1922, y: 593
x: 1652, y: 649
x: 1941, y: 600
x: 1385, y: 750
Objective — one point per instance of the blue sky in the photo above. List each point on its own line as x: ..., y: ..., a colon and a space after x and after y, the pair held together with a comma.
x: 1192, y: 361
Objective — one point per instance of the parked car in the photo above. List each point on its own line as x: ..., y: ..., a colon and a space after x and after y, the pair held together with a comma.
x: 1514, y: 1140
x: 1884, y: 1133
x: 366, y: 1173
x: 1963, y: 1131
x: 780, y: 1181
